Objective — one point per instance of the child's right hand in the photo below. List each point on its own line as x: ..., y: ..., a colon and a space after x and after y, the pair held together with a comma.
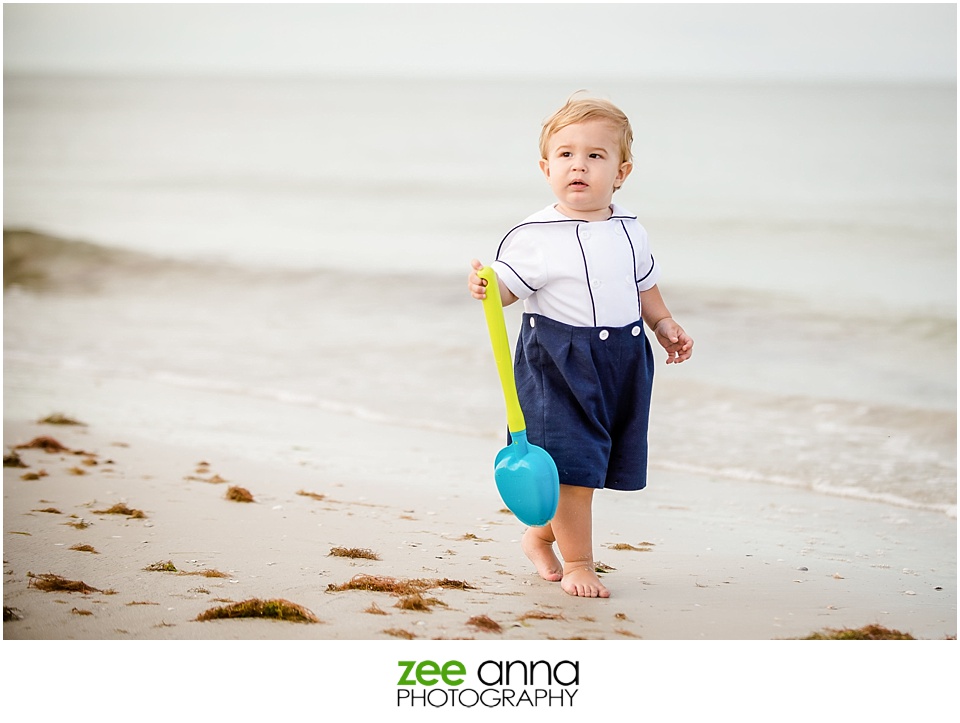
x: 476, y: 285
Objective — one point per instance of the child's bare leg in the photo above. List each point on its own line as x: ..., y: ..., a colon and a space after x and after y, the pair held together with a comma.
x: 537, y: 543
x: 573, y: 528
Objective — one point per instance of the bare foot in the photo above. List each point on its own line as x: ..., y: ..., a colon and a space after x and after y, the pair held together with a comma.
x: 581, y: 580
x: 542, y: 556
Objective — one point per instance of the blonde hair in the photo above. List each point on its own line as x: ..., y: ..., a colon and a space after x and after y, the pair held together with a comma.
x: 579, y: 110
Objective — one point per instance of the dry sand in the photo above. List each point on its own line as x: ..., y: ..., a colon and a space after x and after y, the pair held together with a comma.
x: 690, y: 559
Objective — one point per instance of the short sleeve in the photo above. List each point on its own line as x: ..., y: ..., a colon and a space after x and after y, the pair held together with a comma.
x: 521, y: 264
x: 648, y: 270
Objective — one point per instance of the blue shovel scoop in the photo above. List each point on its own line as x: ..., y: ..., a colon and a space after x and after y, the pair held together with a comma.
x: 526, y: 474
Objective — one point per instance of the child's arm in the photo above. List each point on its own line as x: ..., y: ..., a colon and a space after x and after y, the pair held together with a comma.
x: 669, y: 333
x: 478, y: 286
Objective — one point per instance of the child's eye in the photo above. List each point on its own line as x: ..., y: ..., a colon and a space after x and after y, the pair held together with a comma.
x: 596, y: 155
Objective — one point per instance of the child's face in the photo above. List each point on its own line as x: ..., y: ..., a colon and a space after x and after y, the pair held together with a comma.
x: 583, y: 167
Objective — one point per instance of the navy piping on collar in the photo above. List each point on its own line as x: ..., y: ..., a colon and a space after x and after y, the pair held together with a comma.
x: 558, y: 220
x: 529, y: 223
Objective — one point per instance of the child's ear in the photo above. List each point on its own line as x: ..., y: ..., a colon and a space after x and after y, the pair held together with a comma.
x: 545, y: 167
x: 625, y: 168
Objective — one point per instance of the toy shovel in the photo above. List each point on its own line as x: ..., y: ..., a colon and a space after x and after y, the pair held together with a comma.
x: 526, y: 474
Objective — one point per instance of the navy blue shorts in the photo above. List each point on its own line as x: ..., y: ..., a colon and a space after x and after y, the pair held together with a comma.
x: 585, y: 395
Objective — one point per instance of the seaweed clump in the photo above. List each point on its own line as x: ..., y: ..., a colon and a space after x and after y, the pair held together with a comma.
x: 121, y: 509
x: 239, y: 494
x: 382, y: 583
x: 540, y: 615
x: 48, y: 582
x: 167, y: 566
x: 400, y: 633
x: 355, y: 553
x: 209, y: 572
x: 485, y: 623
x: 867, y: 632
x: 644, y: 547
x: 61, y: 419
x: 277, y: 609
x: 418, y: 603
x: 47, y: 444
x: 449, y: 584
x: 12, y: 459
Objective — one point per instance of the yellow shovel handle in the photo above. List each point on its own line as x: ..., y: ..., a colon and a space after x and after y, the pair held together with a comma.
x: 493, y: 310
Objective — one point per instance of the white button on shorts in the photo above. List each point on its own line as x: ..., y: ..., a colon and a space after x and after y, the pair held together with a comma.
x: 635, y: 331
x: 533, y: 322
x: 604, y: 334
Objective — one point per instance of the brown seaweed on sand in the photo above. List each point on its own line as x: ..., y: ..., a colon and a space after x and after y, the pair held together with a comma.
x: 398, y: 633
x: 48, y: 582
x: 418, y: 602
x: 381, y: 583
x: 239, y: 494
x: 312, y: 495
x: 867, y: 632
x: 449, y: 584
x: 47, y: 444
x: 355, y: 553
x: 394, y: 586
x: 12, y: 459
x: 121, y: 509
x: 645, y: 547
x: 206, y: 573
x: 276, y: 609
x: 540, y: 615
x: 84, y: 548
x: 167, y: 566
x: 482, y: 622
x: 61, y: 419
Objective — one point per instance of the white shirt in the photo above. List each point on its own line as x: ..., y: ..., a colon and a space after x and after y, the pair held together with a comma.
x: 581, y: 273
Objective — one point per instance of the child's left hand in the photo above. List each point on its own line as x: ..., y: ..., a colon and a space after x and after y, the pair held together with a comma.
x: 675, y: 340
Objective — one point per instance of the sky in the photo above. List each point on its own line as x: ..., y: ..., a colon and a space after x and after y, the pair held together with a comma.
x: 877, y: 42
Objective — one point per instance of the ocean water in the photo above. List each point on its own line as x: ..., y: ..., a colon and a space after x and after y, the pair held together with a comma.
x: 303, y: 244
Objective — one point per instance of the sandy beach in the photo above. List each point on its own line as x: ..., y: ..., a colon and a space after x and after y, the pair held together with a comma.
x: 202, y: 318
x: 689, y: 560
